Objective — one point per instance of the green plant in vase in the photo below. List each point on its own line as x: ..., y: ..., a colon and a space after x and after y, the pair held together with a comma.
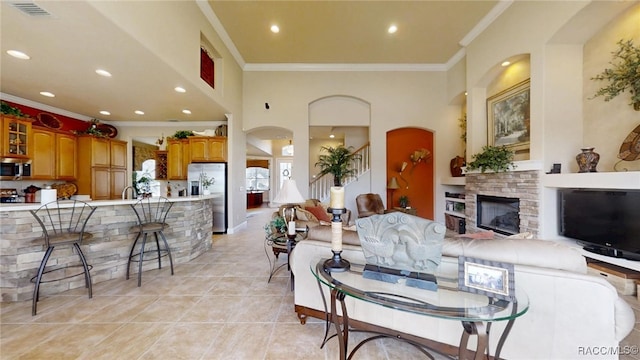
x: 496, y: 158
x: 277, y: 225
x: 404, y: 201
x: 338, y: 162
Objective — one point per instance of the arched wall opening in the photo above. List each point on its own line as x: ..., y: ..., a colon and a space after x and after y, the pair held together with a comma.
x: 416, y: 178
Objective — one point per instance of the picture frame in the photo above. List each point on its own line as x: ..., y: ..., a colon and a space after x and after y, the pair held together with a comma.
x: 491, y: 278
x: 508, y: 118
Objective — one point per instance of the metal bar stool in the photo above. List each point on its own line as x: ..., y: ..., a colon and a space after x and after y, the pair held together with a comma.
x: 151, y: 214
x: 62, y: 223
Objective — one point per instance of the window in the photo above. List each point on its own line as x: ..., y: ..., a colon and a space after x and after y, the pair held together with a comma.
x: 257, y: 179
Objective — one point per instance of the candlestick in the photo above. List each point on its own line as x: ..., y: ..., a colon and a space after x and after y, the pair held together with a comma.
x: 336, y: 263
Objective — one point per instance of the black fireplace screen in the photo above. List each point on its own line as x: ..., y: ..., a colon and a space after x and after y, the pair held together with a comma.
x: 500, y: 214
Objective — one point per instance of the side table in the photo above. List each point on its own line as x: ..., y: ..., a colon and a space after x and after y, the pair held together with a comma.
x: 281, y: 243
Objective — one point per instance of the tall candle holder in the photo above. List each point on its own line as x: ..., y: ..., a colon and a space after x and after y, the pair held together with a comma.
x: 336, y: 263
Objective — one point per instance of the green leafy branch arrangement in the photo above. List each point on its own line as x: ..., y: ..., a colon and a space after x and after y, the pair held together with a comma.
x: 624, y: 75
x: 496, y: 158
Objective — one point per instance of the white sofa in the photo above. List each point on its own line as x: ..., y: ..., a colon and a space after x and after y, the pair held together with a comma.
x: 570, y: 314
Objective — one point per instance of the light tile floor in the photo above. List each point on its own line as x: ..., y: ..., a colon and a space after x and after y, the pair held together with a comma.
x: 218, y: 306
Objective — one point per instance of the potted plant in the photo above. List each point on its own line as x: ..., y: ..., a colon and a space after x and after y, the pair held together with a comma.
x: 206, y: 182
x: 142, y: 185
x: 624, y: 74
x: 338, y: 161
x: 404, y: 201
x: 277, y: 225
x: 182, y: 134
x: 496, y: 158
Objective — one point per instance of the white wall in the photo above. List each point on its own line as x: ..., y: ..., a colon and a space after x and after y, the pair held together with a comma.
x: 397, y: 99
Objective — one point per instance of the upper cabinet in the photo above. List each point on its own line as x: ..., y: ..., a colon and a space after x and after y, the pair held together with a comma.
x: 54, y: 155
x: 177, y: 159
x: 102, y: 167
x: 16, y: 135
x: 208, y: 149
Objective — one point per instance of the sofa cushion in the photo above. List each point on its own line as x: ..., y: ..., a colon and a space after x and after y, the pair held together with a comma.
x: 320, y: 212
x: 532, y: 252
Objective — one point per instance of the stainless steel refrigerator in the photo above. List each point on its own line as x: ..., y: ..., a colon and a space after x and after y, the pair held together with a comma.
x: 197, y: 175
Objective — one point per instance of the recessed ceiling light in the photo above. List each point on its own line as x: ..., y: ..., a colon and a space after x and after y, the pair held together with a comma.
x: 102, y: 72
x: 18, y: 54
x: 47, y: 94
x: 392, y: 29
x: 505, y: 63
x: 331, y: 136
x: 179, y: 89
x: 275, y: 29
x: 139, y: 112
x: 186, y: 111
x: 104, y: 112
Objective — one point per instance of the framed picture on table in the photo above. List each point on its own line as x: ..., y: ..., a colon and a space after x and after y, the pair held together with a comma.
x: 508, y: 118
x: 492, y: 278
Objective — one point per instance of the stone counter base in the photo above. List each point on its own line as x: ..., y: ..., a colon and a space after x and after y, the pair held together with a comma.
x: 189, y: 235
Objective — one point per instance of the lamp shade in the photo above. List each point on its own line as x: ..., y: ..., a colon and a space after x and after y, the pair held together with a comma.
x: 393, y: 184
x: 289, y: 193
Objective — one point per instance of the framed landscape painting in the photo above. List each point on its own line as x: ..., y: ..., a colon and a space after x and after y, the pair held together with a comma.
x: 508, y: 118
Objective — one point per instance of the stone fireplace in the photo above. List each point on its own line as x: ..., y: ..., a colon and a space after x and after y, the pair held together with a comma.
x: 505, y: 190
x: 497, y: 213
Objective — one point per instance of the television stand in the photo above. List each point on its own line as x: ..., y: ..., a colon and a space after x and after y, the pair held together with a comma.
x: 611, y: 252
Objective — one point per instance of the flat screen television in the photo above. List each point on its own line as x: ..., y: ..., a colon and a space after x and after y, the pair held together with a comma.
x: 606, y: 222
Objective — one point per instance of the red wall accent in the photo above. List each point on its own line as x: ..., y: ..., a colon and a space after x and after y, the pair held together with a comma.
x: 400, y: 144
x: 68, y: 123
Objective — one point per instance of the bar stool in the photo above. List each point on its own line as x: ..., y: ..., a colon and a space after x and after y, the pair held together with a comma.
x: 62, y: 224
x: 151, y: 214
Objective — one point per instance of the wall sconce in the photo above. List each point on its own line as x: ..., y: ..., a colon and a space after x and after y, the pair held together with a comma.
x: 402, y: 168
x: 419, y: 155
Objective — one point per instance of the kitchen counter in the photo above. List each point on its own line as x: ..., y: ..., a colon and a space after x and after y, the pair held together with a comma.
x: 36, y: 205
x: 189, y: 235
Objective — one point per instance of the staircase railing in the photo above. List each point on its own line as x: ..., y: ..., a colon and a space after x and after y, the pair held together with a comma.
x: 320, y: 188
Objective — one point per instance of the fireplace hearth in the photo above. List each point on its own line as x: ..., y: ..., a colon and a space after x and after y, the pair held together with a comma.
x: 500, y: 214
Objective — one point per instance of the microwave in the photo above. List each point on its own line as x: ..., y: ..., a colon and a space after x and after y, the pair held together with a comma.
x: 14, y: 169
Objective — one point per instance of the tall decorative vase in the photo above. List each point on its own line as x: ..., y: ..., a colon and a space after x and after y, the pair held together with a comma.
x: 588, y: 160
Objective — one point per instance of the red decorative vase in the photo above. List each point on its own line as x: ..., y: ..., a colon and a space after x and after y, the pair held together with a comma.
x: 456, y: 165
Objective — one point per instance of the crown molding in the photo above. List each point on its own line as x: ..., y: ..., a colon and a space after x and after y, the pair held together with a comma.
x: 484, y: 23
x: 45, y: 107
x: 217, y: 26
x: 345, y: 67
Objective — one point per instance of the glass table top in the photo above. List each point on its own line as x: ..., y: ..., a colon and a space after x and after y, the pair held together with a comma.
x: 445, y: 302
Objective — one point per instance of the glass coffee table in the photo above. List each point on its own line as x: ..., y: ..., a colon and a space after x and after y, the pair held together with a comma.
x: 475, y: 312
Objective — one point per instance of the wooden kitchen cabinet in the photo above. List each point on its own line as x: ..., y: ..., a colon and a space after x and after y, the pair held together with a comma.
x: 178, y: 159
x: 66, y: 156
x: 16, y: 137
x: 43, y: 159
x: 208, y: 148
x: 102, y: 167
x: 53, y: 155
x: 161, y: 164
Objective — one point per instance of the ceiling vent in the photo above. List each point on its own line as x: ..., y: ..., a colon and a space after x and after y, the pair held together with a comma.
x: 30, y: 9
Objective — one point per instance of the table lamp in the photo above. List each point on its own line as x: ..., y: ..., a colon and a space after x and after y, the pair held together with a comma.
x: 393, y: 186
x: 290, y: 196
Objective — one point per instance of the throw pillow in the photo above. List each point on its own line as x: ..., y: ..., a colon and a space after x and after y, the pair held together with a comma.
x: 319, y: 212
